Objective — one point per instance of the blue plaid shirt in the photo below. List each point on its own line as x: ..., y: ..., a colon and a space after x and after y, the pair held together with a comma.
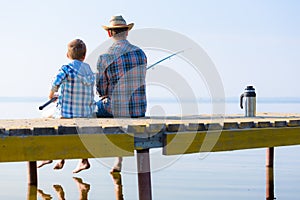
x: 76, y: 82
x: 121, y: 78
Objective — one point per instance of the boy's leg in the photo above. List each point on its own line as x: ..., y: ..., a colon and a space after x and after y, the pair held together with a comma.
x: 45, y: 162
x: 59, y: 165
x: 83, y: 165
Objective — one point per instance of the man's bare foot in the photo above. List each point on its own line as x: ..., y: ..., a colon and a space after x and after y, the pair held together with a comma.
x: 59, y: 165
x: 83, y: 165
x: 45, y: 162
x: 117, y: 166
x: 116, y: 169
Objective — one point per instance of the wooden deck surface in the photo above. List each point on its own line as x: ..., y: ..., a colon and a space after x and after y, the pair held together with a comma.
x: 125, y: 122
x: 43, y: 139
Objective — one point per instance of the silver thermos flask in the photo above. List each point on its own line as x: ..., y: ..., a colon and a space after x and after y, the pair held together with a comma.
x: 250, y: 101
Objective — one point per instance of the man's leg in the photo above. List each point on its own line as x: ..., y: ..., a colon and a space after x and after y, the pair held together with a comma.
x: 118, y: 165
x: 101, y: 110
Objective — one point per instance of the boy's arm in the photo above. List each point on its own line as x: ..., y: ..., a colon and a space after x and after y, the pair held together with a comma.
x: 51, y: 94
x: 58, y: 81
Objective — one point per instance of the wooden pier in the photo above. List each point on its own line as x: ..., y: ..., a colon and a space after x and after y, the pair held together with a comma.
x: 50, y: 139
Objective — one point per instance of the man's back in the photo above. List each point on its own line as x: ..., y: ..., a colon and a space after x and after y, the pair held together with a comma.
x: 121, y: 77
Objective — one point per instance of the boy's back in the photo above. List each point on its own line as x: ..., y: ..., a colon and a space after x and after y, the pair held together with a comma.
x: 77, y: 90
x: 76, y: 83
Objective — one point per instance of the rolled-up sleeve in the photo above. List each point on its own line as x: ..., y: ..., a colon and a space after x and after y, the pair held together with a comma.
x: 58, y: 79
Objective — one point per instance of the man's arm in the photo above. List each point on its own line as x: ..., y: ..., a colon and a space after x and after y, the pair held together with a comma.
x: 101, y: 78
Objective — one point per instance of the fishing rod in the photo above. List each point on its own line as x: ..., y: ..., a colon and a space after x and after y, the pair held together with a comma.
x: 178, y: 52
x: 47, y: 103
x: 149, y: 67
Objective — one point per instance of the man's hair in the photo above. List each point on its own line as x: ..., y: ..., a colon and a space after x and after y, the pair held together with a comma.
x: 118, y: 32
x: 76, y: 49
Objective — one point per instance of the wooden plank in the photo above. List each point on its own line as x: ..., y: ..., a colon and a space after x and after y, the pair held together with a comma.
x: 44, y: 131
x: 51, y: 147
x: 230, y: 125
x: 213, y: 126
x: 136, y: 129
x: 2, y: 131
x: 293, y: 123
x: 247, y: 125
x: 280, y: 123
x: 236, y: 139
x: 154, y: 129
x: 264, y: 124
x: 19, y: 132
x: 196, y: 127
x: 65, y: 130
x: 175, y: 127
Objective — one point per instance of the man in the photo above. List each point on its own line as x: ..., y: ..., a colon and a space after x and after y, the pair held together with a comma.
x: 120, y: 80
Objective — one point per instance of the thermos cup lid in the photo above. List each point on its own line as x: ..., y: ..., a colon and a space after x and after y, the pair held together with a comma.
x: 250, y: 91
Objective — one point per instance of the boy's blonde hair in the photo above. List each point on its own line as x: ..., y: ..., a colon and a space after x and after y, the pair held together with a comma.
x: 76, y: 49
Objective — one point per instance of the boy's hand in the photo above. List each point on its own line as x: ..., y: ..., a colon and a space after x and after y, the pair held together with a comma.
x: 53, y: 94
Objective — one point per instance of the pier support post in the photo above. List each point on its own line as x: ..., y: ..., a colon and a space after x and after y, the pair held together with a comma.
x: 144, y: 174
x: 270, y: 174
x: 32, y: 173
x: 270, y: 157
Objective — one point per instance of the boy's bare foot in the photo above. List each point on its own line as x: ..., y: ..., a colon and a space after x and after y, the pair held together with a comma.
x: 83, y: 165
x: 59, y: 165
x: 45, y: 162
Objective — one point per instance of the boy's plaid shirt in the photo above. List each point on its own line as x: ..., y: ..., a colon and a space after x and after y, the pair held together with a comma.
x: 121, y: 77
x: 76, y: 82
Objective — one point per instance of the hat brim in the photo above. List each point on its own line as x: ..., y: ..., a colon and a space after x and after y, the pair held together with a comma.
x: 129, y: 26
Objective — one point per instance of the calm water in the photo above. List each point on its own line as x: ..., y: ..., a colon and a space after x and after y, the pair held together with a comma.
x: 225, y: 175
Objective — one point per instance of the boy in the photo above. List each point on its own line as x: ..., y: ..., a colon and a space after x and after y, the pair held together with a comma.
x: 76, y: 83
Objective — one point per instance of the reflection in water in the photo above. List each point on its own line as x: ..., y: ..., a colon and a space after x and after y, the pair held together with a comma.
x: 270, y: 183
x: 31, y: 193
x: 44, y: 195
x: 83, y: 189
x: 60, y: 192
x: 117, y: 179
x: 270, y: 174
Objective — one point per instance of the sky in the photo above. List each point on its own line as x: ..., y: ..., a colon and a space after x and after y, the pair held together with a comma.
x: 250, y: 42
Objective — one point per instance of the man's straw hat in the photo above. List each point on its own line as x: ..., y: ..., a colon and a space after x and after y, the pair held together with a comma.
x: 118, y: 22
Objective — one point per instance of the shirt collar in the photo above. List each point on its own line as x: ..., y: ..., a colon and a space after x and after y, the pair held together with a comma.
x: 121, y: 42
